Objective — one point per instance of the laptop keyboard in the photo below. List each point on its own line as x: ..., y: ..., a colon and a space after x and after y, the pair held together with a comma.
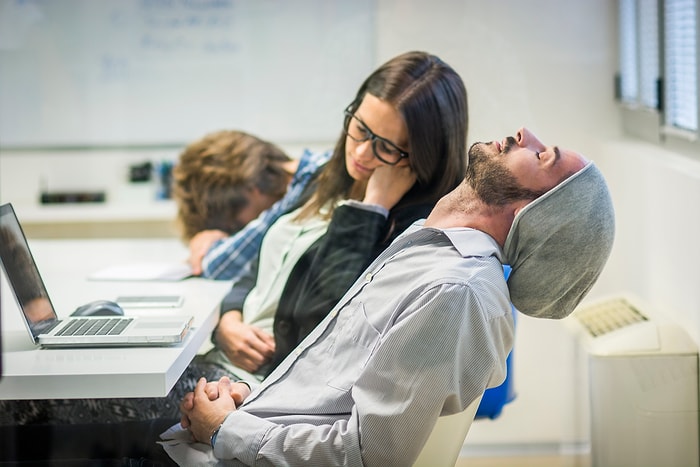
x: 95, y: 327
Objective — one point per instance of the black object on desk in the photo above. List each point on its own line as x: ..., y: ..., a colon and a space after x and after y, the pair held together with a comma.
x: 64, y: 197
x: 140, y: 172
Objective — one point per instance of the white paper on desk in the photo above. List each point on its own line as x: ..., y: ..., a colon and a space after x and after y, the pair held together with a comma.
x: 144, y: 271
x: 181, y: 448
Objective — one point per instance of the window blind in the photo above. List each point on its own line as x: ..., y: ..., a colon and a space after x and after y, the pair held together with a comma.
x: 649, y: 53
x: 639, y: 52
x: 680, y: 64
x: 629, y: 85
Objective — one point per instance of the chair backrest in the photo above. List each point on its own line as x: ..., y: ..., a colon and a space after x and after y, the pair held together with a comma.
x: 446, y: 439
x: 494, y: 399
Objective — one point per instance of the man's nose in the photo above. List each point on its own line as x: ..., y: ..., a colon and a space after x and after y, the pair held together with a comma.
x: 527, y: 139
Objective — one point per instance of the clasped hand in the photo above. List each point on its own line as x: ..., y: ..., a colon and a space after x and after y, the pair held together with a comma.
x: 205, y: 409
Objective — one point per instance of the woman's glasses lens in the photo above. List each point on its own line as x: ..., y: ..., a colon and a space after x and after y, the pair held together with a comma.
x: 384, y: 150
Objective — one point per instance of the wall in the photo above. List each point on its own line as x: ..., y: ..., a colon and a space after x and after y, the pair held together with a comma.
x: 548, y: 64
x: 657, y: 247
x: 136, y: 72
x: 130, y: 209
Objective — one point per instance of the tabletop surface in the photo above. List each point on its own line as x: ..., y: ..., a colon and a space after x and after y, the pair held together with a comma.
x: 30, y: 372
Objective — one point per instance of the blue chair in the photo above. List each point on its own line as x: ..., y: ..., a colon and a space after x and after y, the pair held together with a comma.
x: 494, y: 399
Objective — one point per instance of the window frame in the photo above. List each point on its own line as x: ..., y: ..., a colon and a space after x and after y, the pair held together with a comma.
x: 649, y: 124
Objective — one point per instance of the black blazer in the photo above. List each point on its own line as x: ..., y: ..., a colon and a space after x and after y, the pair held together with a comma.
x: 323, y: 274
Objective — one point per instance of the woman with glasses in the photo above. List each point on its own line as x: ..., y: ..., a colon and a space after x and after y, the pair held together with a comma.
x: 402, y: 147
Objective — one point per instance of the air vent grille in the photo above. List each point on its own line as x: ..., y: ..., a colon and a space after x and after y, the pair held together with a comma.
x: 608, y: 316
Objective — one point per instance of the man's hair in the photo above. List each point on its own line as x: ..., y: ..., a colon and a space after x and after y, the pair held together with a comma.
x: 215, y: 174
x: 432, y: 99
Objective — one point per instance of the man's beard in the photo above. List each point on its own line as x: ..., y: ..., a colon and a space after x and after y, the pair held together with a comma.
x: 492, y: 181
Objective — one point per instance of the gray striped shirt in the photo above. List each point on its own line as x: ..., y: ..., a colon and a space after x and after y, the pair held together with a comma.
x: 423, y: 332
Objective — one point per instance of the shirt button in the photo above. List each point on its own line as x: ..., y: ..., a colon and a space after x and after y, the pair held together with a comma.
x: 368, y: 277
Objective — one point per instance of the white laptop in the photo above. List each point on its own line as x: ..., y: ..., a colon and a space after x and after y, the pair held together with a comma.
x: 41, y: 319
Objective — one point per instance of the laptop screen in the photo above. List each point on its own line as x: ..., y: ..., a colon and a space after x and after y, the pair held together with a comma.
x: 23, y: 275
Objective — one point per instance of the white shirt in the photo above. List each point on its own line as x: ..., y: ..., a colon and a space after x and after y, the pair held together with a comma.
x: 281, y: 248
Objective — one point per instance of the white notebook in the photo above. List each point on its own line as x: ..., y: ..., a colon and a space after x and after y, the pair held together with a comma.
x: 144, y: 271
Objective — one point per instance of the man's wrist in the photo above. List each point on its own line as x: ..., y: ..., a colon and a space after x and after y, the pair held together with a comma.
x: 212, y: 438
x: 215, y: 433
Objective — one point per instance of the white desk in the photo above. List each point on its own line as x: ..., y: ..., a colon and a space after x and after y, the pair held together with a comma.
x: 33, y: 373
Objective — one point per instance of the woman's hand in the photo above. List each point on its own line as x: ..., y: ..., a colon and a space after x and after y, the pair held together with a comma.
x: 388, y: 184
x: 248, y: 347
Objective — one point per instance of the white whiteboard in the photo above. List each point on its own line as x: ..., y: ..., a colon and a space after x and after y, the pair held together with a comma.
x: 158, y: 72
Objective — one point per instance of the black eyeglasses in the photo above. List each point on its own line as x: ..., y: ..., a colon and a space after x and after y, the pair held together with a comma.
x: 383, y: 149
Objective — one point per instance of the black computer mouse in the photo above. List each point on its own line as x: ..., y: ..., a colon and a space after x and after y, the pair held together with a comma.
x: 99, y: 308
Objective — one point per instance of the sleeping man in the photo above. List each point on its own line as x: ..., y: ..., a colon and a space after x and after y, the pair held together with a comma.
x: 427, y: 327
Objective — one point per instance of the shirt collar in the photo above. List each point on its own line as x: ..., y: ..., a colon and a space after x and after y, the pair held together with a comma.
x: 468, y: 241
